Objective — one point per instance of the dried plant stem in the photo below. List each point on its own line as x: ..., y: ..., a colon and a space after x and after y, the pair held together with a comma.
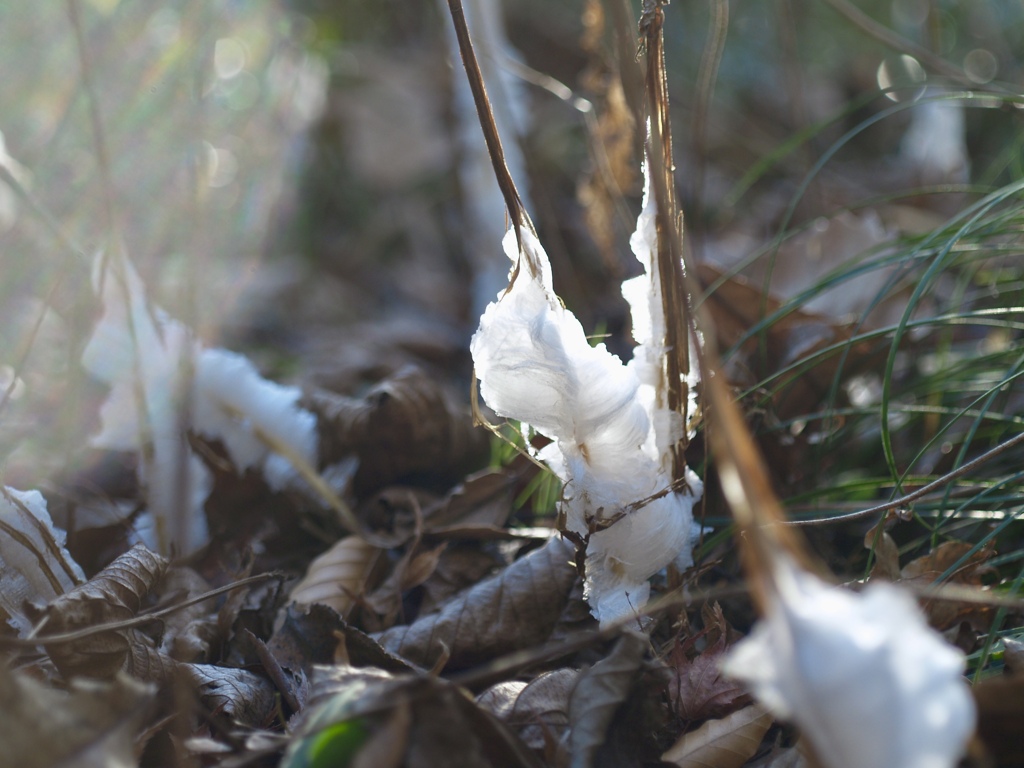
x: 514, y: 203
x: 668, y: 224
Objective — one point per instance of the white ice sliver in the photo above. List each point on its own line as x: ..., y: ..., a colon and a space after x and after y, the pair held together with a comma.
x: 35, y: 566
x: 158, y: 371
x: 644, y: 294
x: 536, y: 365
x: 233, y: 403
x: 140, y: 352
x: 865, y: 678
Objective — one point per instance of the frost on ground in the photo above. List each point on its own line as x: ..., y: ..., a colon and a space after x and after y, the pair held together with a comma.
x: 610, y: 432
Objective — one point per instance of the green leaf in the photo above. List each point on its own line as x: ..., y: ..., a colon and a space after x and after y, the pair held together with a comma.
x: 330, y: 747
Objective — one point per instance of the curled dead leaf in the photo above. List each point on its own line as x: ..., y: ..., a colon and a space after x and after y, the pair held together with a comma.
x: 887, y: 554
x: 599, y: 693
x: 92, y: 725
x: 538, y: 711
x: 243, y: 696
x: 514, y: 609
x: 114, y: 594
x: 338, y: 577
x: 928, y: 568
x: 698, y: 690
x: 726, y: 743
x: 414, y: 567
x: 405, y: 427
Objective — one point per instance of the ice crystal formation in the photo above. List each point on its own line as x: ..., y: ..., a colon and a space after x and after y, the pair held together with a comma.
x: 610, y: 434
x: 863, y: 675
x: 164, y: 383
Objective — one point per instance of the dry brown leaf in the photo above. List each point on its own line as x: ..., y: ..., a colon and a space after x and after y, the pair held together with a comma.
x: 737, y: 306
x: 410, y: 571
x: 501, y: 697
x: 514, y: 609
x: 93, y: 725
x: 338, y: 577
x: 927, y: 568
x: 698, y: 690
x: 243, y: 696
x: 887, y: 554
x: 304, y: 636
x: 145, y: 661
x: 538, y: 711
x: 432, y: 721
x: 404, y: 428
x: 725, y: 743
x: 599, y: 693
x: 943, y: 614
x: 482, y: 499
x: 188, y: 633
x: 422, y: 566
x: 114, y: 594
x: 461, y: 566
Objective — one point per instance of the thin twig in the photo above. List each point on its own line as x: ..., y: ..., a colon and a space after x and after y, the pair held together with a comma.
x: 668, y: 224
x: 514, y: 203
x: 135, y: 621
x: 897, y: 42
x: 903, y: 501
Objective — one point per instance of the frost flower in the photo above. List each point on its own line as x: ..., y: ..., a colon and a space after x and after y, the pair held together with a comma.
x: 536, y: 365
x: 862, y: 675
x: 236, y: 405
x: 156, y: 370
